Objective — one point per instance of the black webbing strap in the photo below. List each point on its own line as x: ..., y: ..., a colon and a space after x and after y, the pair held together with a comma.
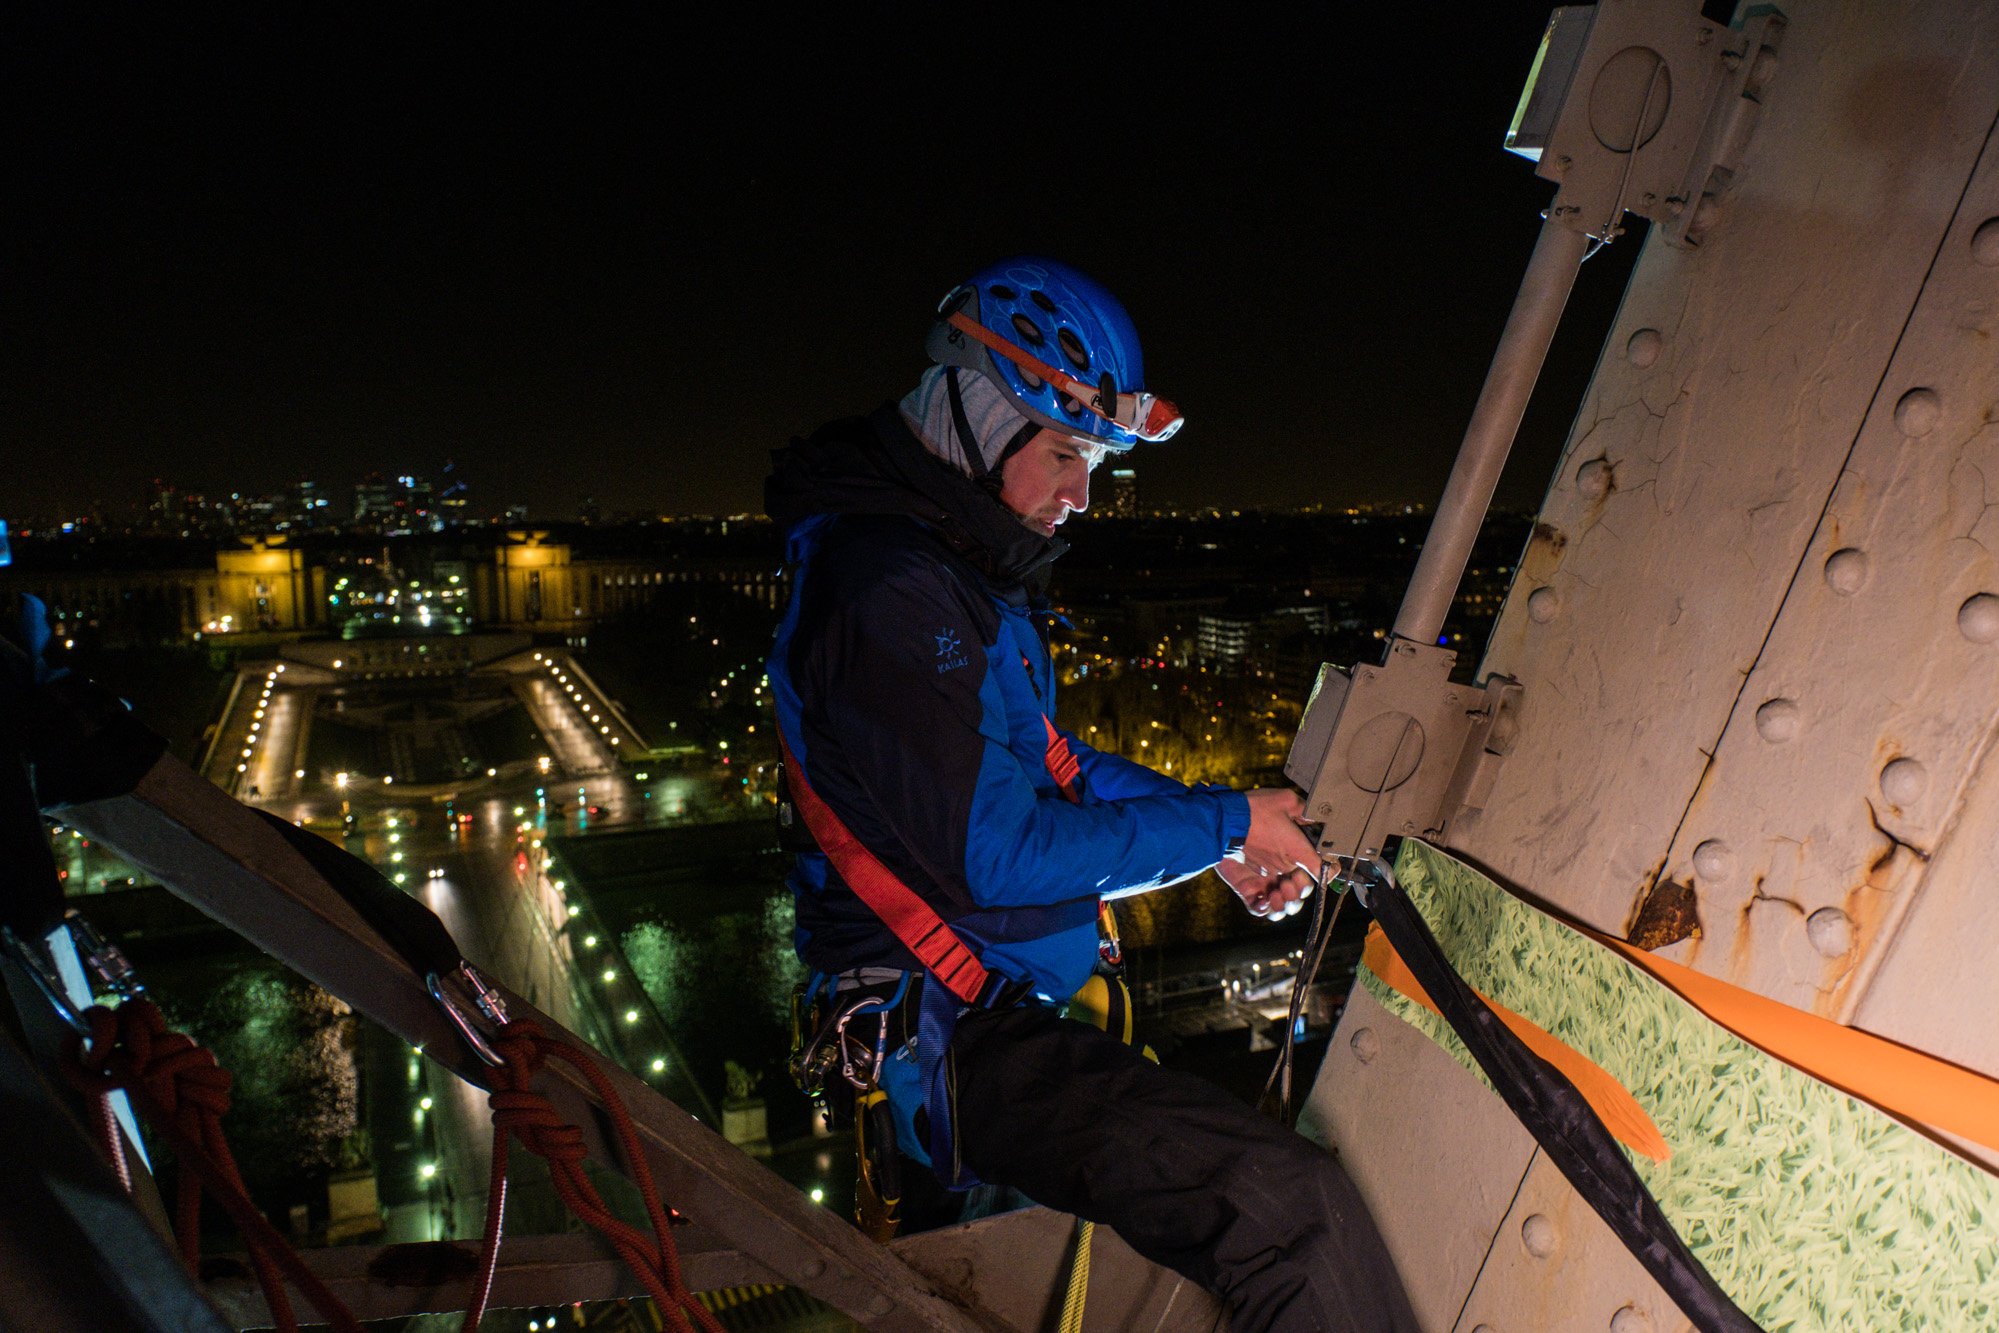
x: 63, y: 739
x: 404, y: 924
x: 1560, y: 1121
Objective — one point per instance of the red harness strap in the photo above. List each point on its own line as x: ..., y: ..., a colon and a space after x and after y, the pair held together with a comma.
x: 1062, y: 765
x: 913, y: 921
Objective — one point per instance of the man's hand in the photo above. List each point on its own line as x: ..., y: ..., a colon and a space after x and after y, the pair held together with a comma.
x: 1268, y: 874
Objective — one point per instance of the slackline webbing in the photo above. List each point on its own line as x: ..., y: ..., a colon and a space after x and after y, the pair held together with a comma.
x: 1561, y: 1121
x: 1812, y: 1208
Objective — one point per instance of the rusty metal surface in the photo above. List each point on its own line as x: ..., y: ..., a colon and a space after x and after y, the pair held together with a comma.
x: 1812, y: 842
x: 1753, y: 589
x: 1735, y: 381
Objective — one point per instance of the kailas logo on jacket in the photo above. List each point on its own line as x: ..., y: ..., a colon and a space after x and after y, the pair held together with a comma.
x: 949, y: 650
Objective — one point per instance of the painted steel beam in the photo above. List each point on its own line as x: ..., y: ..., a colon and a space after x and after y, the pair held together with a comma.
x: 226, y: 860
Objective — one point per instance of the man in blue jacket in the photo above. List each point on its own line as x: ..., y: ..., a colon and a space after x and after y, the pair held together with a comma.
x: 959, y: 845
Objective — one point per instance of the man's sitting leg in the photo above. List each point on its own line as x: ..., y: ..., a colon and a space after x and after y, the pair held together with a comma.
x: 1188, y: 1176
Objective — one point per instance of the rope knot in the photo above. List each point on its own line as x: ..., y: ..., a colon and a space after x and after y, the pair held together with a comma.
x: 132, y: 1047
x: 532, y: 1117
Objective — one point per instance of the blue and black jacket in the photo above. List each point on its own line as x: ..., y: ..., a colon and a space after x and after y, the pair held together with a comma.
x: 912, y: 675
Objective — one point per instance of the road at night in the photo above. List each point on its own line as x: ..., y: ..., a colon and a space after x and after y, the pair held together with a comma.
x: 473, y: 852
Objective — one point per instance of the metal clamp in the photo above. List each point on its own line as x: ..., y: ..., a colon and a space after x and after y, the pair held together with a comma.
x: 104, y: 961
x: 485, y: 999
x: 100, y: 959
x: 1363, y: 874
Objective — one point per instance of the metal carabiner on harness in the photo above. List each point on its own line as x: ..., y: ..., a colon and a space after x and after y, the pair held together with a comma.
x: 480, y: 996
x: 865, y: 1080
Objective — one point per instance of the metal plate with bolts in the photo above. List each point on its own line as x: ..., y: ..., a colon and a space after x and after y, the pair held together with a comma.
x: 1397, y: 749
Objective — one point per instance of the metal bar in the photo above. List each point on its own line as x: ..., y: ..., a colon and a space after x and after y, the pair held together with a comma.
x: 1509, y: 382
x: 394, y: 1281
x: 223, y: 858
x: 1015, y: 1266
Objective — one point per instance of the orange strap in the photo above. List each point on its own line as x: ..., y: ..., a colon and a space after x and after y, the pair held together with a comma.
x: 1086, y: 394
x: 1906, y: 1083
x: 1613, y: 1103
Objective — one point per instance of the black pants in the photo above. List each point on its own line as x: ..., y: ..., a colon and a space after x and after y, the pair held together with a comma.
x: 1191, y: 1178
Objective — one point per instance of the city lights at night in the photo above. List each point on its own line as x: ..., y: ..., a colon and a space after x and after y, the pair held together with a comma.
x: 582, y: 630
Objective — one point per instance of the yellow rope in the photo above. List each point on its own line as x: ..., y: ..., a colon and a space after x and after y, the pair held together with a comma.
x: 1079, y: 1279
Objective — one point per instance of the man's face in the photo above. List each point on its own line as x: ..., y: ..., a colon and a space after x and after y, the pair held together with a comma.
x: 1048, y: 480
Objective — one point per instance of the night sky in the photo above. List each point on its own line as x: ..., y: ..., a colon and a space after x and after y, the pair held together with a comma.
x: 627, y: 257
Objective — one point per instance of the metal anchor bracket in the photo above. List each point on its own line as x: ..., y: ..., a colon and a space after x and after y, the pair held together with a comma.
x: 1398, y: 749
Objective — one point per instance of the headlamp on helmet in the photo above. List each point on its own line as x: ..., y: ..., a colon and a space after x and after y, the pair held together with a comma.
x: 1059, y: 345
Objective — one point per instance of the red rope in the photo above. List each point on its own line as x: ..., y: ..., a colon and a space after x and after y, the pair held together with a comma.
x: 181, y: 1090
x: 521, y: 1112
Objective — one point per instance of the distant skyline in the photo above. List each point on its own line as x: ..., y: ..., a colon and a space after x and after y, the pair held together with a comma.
x: 627, y: 259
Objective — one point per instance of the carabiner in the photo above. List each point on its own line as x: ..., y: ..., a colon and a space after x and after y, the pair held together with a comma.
x: 485, y: 999
x: 1362, y: 874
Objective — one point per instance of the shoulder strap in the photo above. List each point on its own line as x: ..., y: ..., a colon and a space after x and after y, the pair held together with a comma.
x: 912, y: 920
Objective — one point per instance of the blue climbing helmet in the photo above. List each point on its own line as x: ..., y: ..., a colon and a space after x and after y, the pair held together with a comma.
x: 1059, y: 345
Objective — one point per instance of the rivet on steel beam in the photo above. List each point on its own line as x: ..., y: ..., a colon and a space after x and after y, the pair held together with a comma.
x: 1846, y: 570
x: 881, y: 1304
x: 1543, y: 605
x: 1977, y: 619
x: 1917, y: 412
x: 1538, y: 1235
x: 1903, y: 781
x: 1777, y: 720
x: 1830, y: 932
x: 1985, y: 243
x: 1643, y: 347
x: 1713, y: 861
x: 814, y: 1268
x: 1631, y: 1319
x: 1593, y: 478
x: 1365, y: 1045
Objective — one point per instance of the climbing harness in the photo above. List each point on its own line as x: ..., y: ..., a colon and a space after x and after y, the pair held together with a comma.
x: 954, y: 978
x: 961, y: 979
